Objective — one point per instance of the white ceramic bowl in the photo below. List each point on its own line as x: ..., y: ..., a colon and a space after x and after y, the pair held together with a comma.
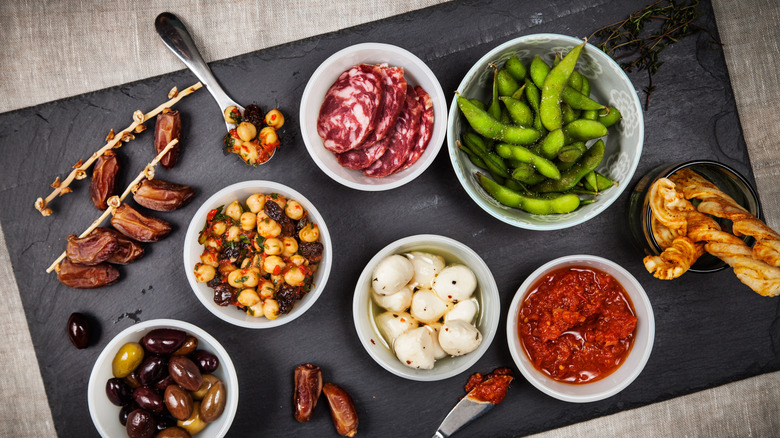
x: 609, y: 85
x: 105, y: 415
x: 364, y: 309
x: 193, y: 250
x: 628, y: 370
x: 415, y: 72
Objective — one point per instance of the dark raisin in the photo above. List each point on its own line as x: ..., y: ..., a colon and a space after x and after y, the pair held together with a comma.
x: 224, y: 295
x: 288, y: 227
x: 286, y: 297
x: 273, y: 211
x: 231, y: 252
x: 214, y: 282
x: 301, y: 224
x: 254, y: 115
x: 311, y: 250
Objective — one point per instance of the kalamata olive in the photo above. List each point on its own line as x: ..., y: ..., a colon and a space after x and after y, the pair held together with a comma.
x: 173, y: 432
x: 152, y: 369
x: 79, y: 330
x: 118, y: 392
x: 132, y: 380
x: 207, y: 362
x: 185, y: 373
x: 189, y: 345
x: 141, y: 424
x: 127, y: 359
x: 148, y: 399
x: 125, y: 411
x: 163, y: 340
x: 194, y: 424
x: 164, y: 421
x: 213, y: 403
x: 178, y: 401
x: 224, y: 295
x: 208, y: 381
x: 164, y: 383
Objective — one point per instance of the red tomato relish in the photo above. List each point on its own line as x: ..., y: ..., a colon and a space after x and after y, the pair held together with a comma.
x: 577, y: 324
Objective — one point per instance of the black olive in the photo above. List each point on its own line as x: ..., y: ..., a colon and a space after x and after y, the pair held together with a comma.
x: 79, y: 330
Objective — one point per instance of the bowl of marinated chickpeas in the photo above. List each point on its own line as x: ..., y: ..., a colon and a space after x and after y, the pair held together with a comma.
x: 257, y: 254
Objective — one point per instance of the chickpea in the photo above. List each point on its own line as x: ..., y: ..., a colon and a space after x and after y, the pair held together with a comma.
x: 248, y: 152
x: 234, y: 210
x: 274, y: 119
x: 246, y: 131
x: 204, y: 273
x: 257, y: 261
x: 293, y: 210
x: 268, y: 137
x: 268, y: 228
x: 266, y: 290
x: 295, y: 276
x: 219, y: 228
x: 236, y: 278
x: 277, y: 279
x: 256, y: 202
x: 290, y: 246
x: 248, y: 221
x: 248, y: 297
x: 232, y: 114
x: 213, y: 243
x: 273, y: 265
x: 209, y: 257
x: 245, y: 263
x: 256, y: 310
x: 280, y: 200
x: 252, y: 277
x: 273, y: 246
x: 270, y: 309
x: 226, y: 268
x: 309, y: 233
x: 233, y: 233
x: 298, y: 260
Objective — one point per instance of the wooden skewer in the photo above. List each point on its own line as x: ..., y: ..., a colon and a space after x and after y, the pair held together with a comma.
x: 115, y: 201
x: 79, y: 170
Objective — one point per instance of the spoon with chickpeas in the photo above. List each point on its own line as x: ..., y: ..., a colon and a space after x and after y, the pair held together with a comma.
x: 251, y: 135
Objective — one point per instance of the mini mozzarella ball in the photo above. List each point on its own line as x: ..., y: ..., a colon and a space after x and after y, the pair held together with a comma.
x: 295, y: 276
x: 395, y: 302
x: 455, y: 283
x: 391, y: 274
x: 268, y: 227
x: 392, y: 324
x: 234, y: 210
x: 273, y: 265
x: 427, y: 306
x: 204, y: 273
x: 293, y: 210
x: 426, y: 266
x: 248, y: 297
x: 246, y: 131
x: 309, y: 233
x: 248, y: 221
x: 271, y: 309
x: 438, y: 352
x: 459, y: 337
x: 272, y: 246
x: 289, y: 246
x: 414, y: 348
x: 463, y: 311
x: 255, y: 202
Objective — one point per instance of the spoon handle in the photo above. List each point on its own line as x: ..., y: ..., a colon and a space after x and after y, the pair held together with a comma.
x: 175, y: 35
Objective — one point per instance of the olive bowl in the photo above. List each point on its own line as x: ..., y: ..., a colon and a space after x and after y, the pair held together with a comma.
x: 609, y: 85
x: 364, y: 309
x: 192, y: 251
x: 105, y: 415
x: 627, y: 371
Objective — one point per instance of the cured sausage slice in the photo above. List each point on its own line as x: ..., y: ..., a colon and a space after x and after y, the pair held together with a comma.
x: 426, y: 128
x: 394, y: 88
x: 361, y: 158
x: 351, y: 107
x: 402, y: 140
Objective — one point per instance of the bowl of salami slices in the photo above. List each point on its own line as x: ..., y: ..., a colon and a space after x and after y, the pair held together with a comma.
x: 373, y: 116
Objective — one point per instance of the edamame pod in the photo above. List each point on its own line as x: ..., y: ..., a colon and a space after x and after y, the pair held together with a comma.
x: 472, y: 156
x: 602, y: 183
x: 572, y: 97
x: 507, y: 85
x: 583, y: 130
x: 609, y: 117
x: 554, y: 84
x: 494, y: 109
x: 520, y: 113
x: 552, y: 143
x: 568, y: 114
x: 587, y: 163
x: 590, y: 114
x: 523, y: 171
x: 564, y: 203
x: 516, y: 68
x: 479, y: 104
x: 486, y: 125
x: 493, y: 162
x: 572, y: 152
x: 541, y: 164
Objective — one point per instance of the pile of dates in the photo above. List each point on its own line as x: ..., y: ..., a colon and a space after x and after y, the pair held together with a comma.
x: 165, y: 386
x: 309, y: 386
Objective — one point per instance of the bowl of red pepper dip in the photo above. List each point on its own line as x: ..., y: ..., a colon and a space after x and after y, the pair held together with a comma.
x: 580, y: 328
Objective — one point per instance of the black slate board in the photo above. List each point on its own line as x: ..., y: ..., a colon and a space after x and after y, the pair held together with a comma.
x: 710, y: 329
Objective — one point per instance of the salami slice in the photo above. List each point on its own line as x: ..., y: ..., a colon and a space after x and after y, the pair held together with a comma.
x: 351, y: 107
x: 426, y: 128
x: 394, y: 89
x: 361, y: 158
x: 402, y: 139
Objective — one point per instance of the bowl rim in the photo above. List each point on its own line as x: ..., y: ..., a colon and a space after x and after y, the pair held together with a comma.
x: 520, y: 357
x: 490, y: 291
x: 196, y: 224
x: 452, y: 137
x: 439, y: 131
x: 94, y: 387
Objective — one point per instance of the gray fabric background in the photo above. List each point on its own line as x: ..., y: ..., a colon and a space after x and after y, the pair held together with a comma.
x: 56, y: 49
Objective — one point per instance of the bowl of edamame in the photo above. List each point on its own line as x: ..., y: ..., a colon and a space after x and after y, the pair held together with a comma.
x: 545, y: 132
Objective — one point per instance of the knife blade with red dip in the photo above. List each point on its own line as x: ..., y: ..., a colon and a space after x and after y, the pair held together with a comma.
x: 491, y: 388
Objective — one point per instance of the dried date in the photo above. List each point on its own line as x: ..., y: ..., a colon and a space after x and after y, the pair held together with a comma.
x: 342, y: 409
x: 138, y: 226
x: 80, y: 276
x: 308, y: 386
x: 159, y: 195
x: 103, y: 184
x: 167, y: 128
x: 94, y: 248
x: 128, y: 250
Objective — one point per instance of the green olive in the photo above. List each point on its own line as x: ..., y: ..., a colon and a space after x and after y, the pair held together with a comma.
x: 127, y: 359
x: 208, y: 381
x: 194, y: 424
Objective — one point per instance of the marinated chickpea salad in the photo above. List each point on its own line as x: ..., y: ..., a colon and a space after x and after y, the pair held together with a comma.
x: 255, y: 138
x: 259, y: 256
x: 426, y: 309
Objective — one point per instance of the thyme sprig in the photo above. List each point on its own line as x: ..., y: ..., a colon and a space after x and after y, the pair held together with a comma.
x: 636, y: 42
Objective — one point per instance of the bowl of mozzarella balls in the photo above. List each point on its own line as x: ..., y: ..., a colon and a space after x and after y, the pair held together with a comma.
x: 426, y: 307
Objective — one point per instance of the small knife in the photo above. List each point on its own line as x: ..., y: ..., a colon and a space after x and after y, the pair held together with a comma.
x: 468, y: 409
